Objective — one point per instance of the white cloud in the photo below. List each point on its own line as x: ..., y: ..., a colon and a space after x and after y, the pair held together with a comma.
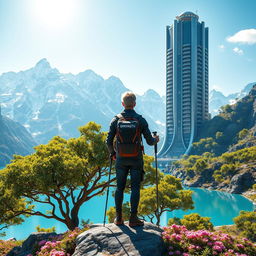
x: 238, y: 51
x: 222, y: 47
x: 247, y: 36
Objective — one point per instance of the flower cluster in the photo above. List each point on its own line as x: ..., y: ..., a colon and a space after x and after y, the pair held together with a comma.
x: 62, y: 245
x: 185, y: 242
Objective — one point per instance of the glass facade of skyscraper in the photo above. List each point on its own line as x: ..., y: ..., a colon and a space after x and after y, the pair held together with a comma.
x: 186, y: 84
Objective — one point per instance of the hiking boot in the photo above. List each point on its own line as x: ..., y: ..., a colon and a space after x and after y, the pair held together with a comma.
x: 134, y: 221
x: 119, y: 219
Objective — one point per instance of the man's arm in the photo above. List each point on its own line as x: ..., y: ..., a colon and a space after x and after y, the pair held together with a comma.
x: 146, y: 133
x: 111, y: 136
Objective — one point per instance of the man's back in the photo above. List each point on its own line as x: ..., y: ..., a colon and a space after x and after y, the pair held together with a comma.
x: 143, y: 129
x: 128, y: 164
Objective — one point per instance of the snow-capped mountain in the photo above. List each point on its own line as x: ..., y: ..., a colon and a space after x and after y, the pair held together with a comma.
x: 50, y: 103
x: 218, y: 99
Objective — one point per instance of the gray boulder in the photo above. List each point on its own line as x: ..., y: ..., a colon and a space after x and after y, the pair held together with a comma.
x: 121, y: 240
x: 242, y: 181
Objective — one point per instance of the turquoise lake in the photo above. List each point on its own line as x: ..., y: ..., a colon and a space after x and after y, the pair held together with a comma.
x: 220, y: 206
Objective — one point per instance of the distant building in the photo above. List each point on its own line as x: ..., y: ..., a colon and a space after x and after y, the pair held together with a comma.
x: 186, y: 84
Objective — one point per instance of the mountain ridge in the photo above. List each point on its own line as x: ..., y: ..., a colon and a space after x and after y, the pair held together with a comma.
x: 50, y: 103
x: 14, y: 139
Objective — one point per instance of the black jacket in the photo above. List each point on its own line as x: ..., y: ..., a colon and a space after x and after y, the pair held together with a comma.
x: 143, y: 129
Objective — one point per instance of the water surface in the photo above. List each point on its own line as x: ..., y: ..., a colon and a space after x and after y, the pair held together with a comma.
x: 220, y: 206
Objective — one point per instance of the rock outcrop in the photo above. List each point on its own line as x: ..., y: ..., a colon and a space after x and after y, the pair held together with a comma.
x: 121, y: 240
x: 29, y: 244
x: 241, y: 182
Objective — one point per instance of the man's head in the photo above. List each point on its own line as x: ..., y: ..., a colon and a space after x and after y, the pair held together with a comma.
x: 128, y: 100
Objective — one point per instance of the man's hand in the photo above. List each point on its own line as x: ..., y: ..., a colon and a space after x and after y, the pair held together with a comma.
x: 113, y: 156
x: 156, y: 137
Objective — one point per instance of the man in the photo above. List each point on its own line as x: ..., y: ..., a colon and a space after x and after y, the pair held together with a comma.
x: 127, y: 127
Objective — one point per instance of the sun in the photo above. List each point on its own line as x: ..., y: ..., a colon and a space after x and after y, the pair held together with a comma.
x: 54, y: 14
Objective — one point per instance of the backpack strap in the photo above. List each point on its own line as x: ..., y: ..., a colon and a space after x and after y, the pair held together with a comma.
x: 120, y: 116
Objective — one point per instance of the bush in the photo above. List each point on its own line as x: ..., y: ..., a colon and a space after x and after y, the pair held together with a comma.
x: 181, y: 241
x: 48, y: 230
x: 192, y: 221
x: 246, y: 223
x: 61, y: 245
x: 6, y: 246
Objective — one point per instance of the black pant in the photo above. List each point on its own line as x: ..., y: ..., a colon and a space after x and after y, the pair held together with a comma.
x: 121, y: 177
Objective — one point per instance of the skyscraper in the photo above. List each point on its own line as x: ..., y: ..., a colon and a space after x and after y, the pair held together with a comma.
x: 186, y: 84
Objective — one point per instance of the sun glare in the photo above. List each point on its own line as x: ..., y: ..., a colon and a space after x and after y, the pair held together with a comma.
x: 54, y: 14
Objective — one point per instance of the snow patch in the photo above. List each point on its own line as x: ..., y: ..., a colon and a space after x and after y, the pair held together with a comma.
x: 36, y: 115
x: 59, y: 98
x: 36, y: 134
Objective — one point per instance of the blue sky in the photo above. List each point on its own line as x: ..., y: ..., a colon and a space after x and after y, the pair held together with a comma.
x: 126, y: 38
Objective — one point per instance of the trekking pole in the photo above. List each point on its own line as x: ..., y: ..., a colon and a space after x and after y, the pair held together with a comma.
x: 106, y: 205
x: 157, y: 194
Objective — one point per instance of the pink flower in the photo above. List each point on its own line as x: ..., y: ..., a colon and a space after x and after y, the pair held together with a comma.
x: 178, y: 252
x: 191, y: 247
x: 240, y: 246
x: 72, y: 235
x: 42, y: 242
x: 54, y: 252
x: 185, y: 254
x: 217, y: 248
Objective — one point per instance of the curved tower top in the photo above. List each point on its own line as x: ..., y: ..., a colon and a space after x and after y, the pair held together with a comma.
x: 187, y: 16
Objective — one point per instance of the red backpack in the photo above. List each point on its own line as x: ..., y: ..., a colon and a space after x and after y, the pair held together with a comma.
x: 128, y: 137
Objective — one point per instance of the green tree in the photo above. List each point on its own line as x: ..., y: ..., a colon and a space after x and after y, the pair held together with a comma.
x: 243, y: 133
x: 200, y: 165
x: 193, y: 221
x: 205, y: 144
x: 246, y: 223
x: 8, y: 202
x: 62, y: 174
x: 171, y: 197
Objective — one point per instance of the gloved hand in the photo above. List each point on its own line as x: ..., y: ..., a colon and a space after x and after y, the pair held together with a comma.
x: 113, y: 156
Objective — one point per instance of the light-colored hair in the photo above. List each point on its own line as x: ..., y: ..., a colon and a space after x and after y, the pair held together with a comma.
x: 129, y: 99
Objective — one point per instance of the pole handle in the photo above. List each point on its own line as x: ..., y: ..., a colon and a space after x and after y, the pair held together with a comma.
x: 155, y: 134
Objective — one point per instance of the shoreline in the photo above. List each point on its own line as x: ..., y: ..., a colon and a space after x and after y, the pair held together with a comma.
x: 244, y: 194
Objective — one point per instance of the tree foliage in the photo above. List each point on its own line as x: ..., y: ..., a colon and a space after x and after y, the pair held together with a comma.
x: 246, y: 223
x: 62, y: 174
x: 171, y: 197
x: 192, y: 221
x: 231, y: 125
x: 228, y: 164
